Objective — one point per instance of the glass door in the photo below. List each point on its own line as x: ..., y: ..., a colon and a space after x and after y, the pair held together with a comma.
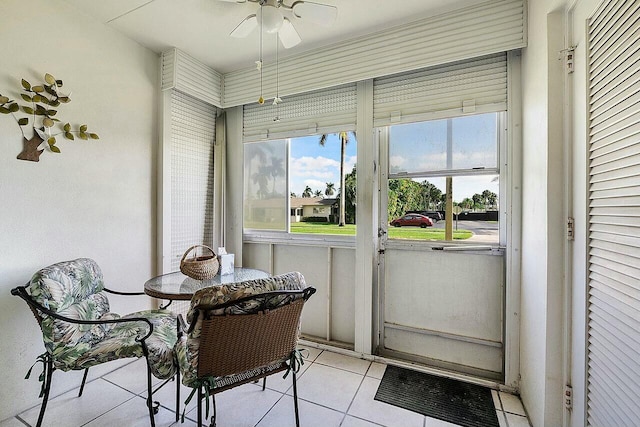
x: 441, y: 262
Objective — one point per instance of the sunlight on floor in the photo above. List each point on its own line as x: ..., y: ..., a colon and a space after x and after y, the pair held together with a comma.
x: 334, y: 390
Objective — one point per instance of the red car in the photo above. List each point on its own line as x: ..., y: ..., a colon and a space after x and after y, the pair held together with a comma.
x: 413, y: 219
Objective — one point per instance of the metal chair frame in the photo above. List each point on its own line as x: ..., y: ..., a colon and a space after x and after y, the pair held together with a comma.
x: 38, y: 310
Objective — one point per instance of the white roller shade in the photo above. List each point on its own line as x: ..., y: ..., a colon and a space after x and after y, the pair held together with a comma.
x: 192, y: 142
x: 465, y: 87
x: 188, y: 75
x: 484, y: 28
x: 323, y: 111
x: 614, y: 215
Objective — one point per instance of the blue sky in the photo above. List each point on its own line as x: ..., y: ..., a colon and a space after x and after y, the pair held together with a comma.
x: 422, y: 147
x: 418, y: 147
x: 413, y: 147
x: 314, y: 165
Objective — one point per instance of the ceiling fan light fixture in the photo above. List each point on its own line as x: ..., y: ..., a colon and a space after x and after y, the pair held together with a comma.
x: 271, y: 18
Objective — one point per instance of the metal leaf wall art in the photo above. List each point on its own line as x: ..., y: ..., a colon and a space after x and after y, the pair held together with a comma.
x: 40, y: 112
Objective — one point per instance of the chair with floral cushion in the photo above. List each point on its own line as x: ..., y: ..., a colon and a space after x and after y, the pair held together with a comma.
x: 70, y: 304
x: 240, y: 333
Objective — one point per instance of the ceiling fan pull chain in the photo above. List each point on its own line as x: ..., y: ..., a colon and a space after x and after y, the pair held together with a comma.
x: 277, y: 100
x: 261, y: 99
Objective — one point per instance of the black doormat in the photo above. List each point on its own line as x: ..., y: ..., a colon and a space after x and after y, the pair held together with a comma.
x: 449, y: 400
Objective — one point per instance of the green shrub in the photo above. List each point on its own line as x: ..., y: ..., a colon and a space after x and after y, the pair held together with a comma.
x: 314, y: 219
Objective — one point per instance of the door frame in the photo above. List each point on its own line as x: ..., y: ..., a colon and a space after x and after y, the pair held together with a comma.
x: 510, y: 158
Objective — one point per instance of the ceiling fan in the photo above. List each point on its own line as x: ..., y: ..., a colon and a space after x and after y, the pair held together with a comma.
x: 270, y: 15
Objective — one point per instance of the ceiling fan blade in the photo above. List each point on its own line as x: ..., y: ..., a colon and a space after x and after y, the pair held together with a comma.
x: 288, y: 34
x: 245, y: 27
x: 322, y: 14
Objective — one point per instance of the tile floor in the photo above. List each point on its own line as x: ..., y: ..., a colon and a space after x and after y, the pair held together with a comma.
x: 333, y: 390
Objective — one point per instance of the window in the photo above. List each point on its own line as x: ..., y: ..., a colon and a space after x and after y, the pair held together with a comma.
x: 429, y: 159
x: 265, y: 185
x: 308, y: 170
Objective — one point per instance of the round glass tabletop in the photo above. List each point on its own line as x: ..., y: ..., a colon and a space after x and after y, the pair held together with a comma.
x: 177, y: 286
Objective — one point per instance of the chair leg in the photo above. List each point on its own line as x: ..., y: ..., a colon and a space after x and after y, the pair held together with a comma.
x: 152, y: 417
x: 295, y: 398
x: 264, y: 383
x: 47, y: 388
x: 200, y: 406
x: 84, y: 380
x: 178, y: 396
x: 213, y: 419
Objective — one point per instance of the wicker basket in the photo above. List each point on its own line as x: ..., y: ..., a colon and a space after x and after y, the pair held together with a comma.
x: 199, y: 267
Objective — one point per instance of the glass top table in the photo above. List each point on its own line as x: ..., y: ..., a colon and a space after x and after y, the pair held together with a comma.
x: 177, y: 286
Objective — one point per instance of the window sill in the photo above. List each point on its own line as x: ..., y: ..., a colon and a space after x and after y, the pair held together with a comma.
x: 324, y: 240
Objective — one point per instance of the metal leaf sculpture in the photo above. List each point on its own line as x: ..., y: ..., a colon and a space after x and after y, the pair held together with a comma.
x: 42, y: 99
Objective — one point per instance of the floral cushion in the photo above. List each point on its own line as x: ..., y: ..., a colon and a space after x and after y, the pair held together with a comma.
x: 121, y: 342
x: 74, y: 289
x: 60, y: 285
x: 216, y: 295
x: 187, y: 347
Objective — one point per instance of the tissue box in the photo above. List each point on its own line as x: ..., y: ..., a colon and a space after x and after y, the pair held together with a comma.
x: 226, y: 263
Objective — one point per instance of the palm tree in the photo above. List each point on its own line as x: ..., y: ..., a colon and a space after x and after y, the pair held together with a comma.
x: 489, y: 198
x: 349, y: 193
x: 478, y: 201
x: 317, y: 193
x: 344, y: 140
x: 330, y: 189
x: 492, y: 199
x: 306, y: 192
x: 466, y: 203
x: 276, y: 170
x: 431, y: 195
x: 442, y: 203
x: 258, y: 157
x: 262, y: 179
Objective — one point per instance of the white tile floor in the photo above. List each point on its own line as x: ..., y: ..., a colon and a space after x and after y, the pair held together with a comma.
x: 333, y: 390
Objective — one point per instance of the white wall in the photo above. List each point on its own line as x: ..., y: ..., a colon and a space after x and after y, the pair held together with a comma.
x: 543, y: 224
x: 328, y: 268
x: 97, y: 198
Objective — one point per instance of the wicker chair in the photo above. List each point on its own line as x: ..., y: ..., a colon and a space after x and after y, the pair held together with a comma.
x: 70, y: 304
x: 241, y: 333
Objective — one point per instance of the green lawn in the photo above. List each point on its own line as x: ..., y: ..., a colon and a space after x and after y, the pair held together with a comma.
x: 322, y: 228
x: 417, y: 233
x: 412, y: 233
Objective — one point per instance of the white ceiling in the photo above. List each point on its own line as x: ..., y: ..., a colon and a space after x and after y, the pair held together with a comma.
x: 201, y: 27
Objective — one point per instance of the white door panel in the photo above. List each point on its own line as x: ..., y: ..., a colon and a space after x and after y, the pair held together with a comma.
x: 454, y: 293
x: 448, y: 353
x: 445, y: 309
